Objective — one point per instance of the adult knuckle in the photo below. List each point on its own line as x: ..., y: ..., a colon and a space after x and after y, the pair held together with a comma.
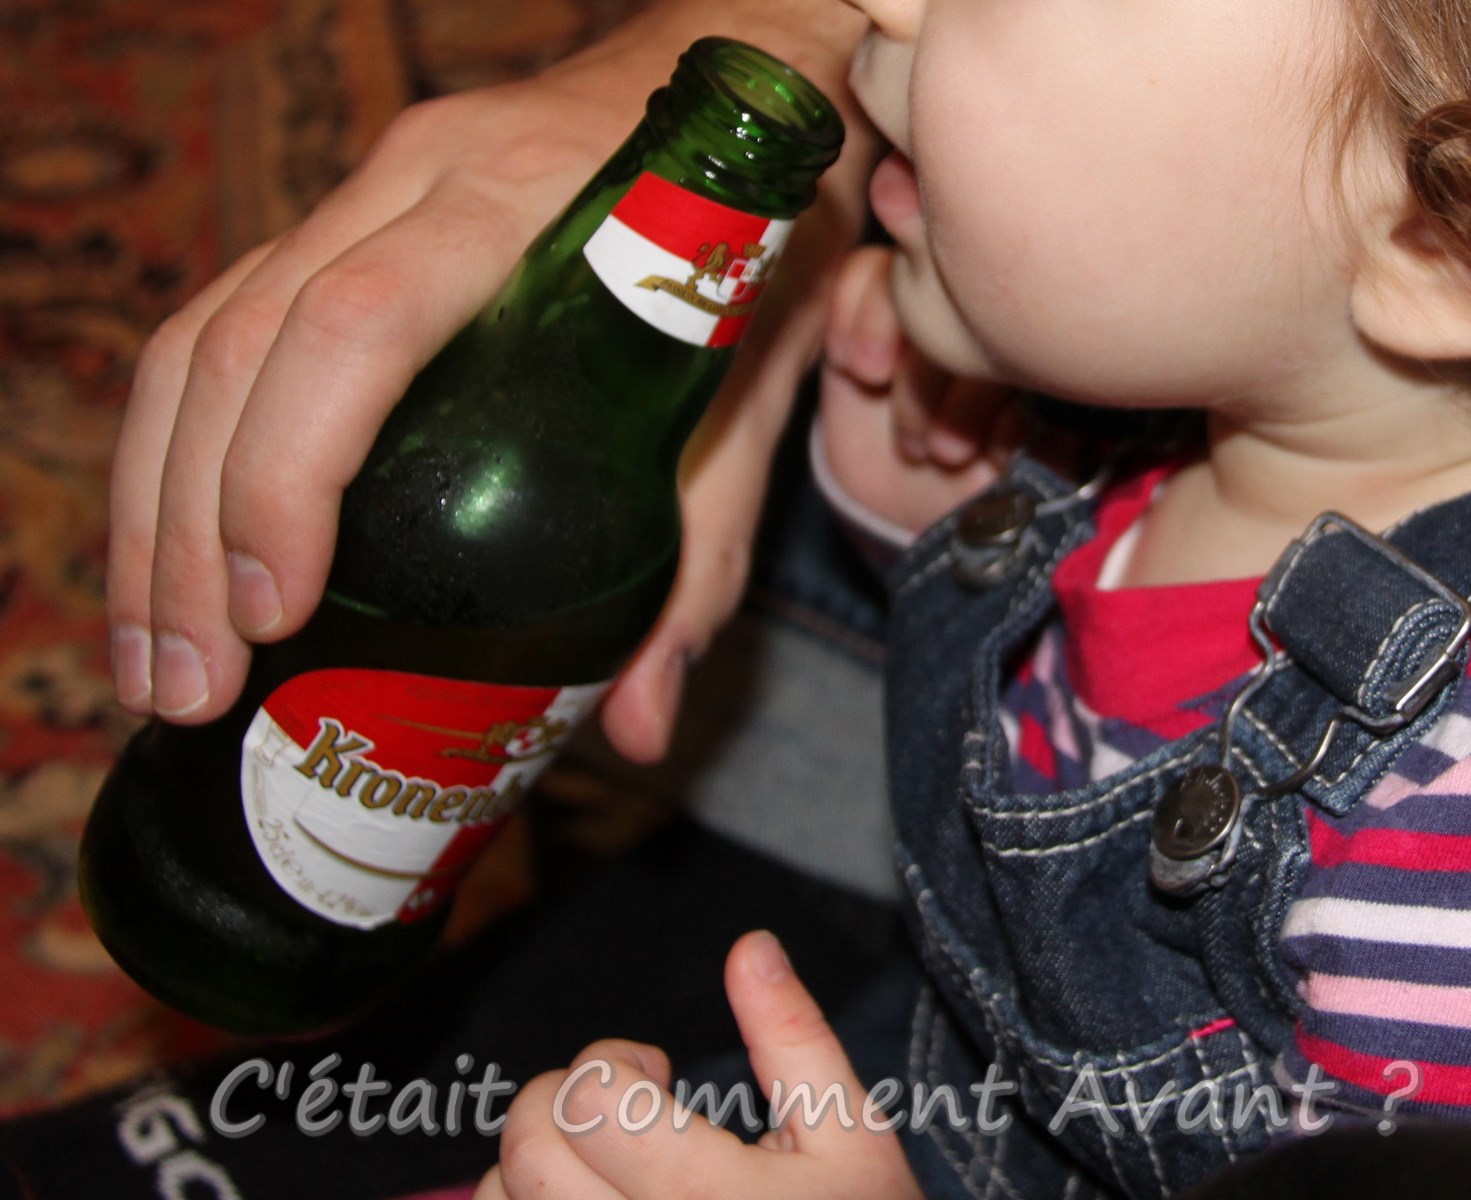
x: 184, y: 556
x: 254, y: 498
x: 236, y: 338
x: 255, y: 476
x: 410, y: 126
x: 129, y: 565
x: 473, y: 210
x: 167, y: 351
x: 519, y: 157
x: 349, y: 303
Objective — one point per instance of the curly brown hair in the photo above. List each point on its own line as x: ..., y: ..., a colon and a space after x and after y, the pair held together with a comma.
x: 1415, y: 70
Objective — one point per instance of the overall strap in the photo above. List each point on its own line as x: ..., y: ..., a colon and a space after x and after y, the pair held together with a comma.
x: 1361, y: 636
x: 972, y: 581
x: 1365, y: 634
x: 1365, y: 639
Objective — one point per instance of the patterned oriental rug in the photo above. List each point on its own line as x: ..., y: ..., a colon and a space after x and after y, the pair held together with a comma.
x: 144, y: 145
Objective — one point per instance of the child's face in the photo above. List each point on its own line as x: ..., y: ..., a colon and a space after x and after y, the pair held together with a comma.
x: 1117, y: 201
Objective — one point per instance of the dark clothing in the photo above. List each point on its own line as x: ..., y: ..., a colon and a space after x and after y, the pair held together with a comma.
x: 1050, y: 953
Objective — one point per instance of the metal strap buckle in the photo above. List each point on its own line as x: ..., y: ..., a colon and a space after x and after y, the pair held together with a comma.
x: 1199, y: 822
x: 1415, y: 693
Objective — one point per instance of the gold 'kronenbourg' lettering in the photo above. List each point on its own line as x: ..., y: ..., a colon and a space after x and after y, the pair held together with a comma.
x: 336, y: 764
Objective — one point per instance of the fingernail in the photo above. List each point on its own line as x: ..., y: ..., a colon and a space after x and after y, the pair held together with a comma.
x: 255, y: 601
x: 180, y: 684
x: 132, y: 665
x: 768, y: 959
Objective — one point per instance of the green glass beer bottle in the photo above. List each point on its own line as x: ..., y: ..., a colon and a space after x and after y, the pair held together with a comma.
x: 508, y: 543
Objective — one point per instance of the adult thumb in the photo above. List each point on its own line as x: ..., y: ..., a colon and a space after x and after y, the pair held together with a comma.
x: 797, y: 1059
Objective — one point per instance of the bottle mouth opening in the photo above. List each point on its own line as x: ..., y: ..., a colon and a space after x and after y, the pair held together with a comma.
x: 772, y: 96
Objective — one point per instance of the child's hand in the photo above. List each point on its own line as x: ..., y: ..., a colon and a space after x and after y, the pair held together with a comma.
x: 903, y: 439
x: 789, y: 1043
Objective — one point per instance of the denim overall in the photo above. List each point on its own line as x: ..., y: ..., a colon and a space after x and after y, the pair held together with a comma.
x: 1050, y: 955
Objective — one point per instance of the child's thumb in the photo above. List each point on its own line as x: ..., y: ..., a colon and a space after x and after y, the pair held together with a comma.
x: 798, y: 1061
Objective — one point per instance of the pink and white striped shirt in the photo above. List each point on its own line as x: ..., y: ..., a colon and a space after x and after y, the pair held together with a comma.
x: 1380, y: 936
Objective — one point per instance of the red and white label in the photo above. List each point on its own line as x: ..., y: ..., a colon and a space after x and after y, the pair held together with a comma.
x: 687, y: 265
x: 368, y: 794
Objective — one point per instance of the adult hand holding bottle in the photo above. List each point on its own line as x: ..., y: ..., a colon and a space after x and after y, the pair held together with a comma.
x: 504, y: 548
x: 255, y: 405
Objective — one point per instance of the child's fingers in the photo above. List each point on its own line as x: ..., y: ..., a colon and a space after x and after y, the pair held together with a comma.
x: 863, y: 336
x: 650, y: 1060
x: 844, y: 1139
x: 855, y: 467
x: 797, y: 1058
x: 915, y: 394
x: 957, y: 431
x: 491, y: 1187
x: 614, y: 1110
x: 620, y: 1120
x: 535, y: 1157
x: 972, y: 420
x: 865, y: 344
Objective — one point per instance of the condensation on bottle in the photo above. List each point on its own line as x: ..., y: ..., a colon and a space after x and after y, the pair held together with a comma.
x: 507, y: 544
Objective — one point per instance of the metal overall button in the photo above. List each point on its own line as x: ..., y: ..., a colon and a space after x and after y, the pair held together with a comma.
x: 1197, y: 813
x: 988, y: 545
x: 1198, y: 824
x: 1197, y: 829
x: 990, y: 534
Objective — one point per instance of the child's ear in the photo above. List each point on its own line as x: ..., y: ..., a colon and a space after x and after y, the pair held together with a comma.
x: 1412, y: 294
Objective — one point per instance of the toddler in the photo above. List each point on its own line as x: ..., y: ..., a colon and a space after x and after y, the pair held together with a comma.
x: 1177, y: 766
x: 1179, y: 771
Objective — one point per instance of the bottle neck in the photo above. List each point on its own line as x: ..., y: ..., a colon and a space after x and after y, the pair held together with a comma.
x: 743, y: 128
x: 646, y: 288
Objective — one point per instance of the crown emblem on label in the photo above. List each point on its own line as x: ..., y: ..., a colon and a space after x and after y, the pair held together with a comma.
x: 732, y: 282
